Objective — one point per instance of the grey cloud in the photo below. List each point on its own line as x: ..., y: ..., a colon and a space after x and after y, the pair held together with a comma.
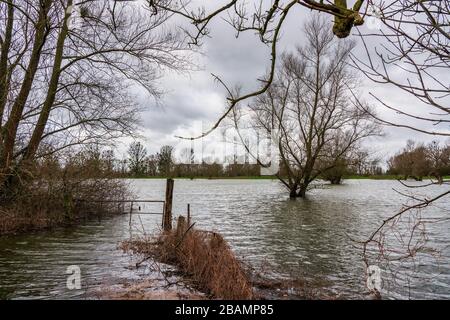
x: 198, y: 99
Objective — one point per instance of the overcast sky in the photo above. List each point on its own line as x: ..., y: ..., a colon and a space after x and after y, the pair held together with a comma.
x: 194, y: 101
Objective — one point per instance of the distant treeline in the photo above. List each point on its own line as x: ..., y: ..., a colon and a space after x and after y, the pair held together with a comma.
x: 415, y: 160
x: 139, y: 164
x: 419, y: 160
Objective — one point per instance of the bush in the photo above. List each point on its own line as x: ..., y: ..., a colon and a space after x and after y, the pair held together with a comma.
x: 50, y: 194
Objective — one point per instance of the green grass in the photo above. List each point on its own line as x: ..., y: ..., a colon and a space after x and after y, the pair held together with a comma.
x: 374, y: 177
x: 386, y: 177
x: 211, y: 178
x: 350, y: 177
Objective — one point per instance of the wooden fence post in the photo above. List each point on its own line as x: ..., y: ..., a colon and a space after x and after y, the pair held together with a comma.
x: 168, y: 206
x: 189, y: 214
x: 181, y: 227
x: 131, y: 212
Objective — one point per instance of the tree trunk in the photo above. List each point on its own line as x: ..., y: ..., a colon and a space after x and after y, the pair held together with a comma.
x: 9, y: 131
x: 336, y: 180
x: 293, y: 193
x: 297, y: 191
x: 302, y: 191
x: 52, y: 88
x: 4, y: 83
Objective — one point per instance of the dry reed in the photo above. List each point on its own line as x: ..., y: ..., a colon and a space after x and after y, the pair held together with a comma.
x: 205, y: 257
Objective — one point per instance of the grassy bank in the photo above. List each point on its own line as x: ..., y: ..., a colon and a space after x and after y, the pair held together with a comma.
x: 387, y: 177
x: 209, y: 178
x: 349, y: 177
x: 373, y: 177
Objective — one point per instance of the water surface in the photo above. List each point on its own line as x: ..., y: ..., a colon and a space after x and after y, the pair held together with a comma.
x: 305, y: 238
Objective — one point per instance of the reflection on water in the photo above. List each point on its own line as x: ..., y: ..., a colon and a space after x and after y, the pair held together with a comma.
x: 302, y: 238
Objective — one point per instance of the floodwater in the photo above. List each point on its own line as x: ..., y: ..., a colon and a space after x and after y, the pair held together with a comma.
x: 312, y: 239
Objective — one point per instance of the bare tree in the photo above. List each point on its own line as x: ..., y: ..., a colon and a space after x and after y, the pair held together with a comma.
x: 439, y: 159
x: 108, y: 161
x: 336, y: 162
x: 151, y: 164
x: 66, y: 80
x: 310, y: 108
x: 137, y: 155
x: 165, y: 160
x: 418, y: 161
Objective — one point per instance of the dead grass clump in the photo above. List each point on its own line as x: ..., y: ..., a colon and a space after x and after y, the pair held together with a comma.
x: 203, y: 256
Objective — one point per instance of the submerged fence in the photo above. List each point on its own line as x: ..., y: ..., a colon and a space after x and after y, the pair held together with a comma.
x: 135, y: 208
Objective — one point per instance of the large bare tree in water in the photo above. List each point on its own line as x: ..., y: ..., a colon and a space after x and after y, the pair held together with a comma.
x: 67, y: 70
x: 309, y: 110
